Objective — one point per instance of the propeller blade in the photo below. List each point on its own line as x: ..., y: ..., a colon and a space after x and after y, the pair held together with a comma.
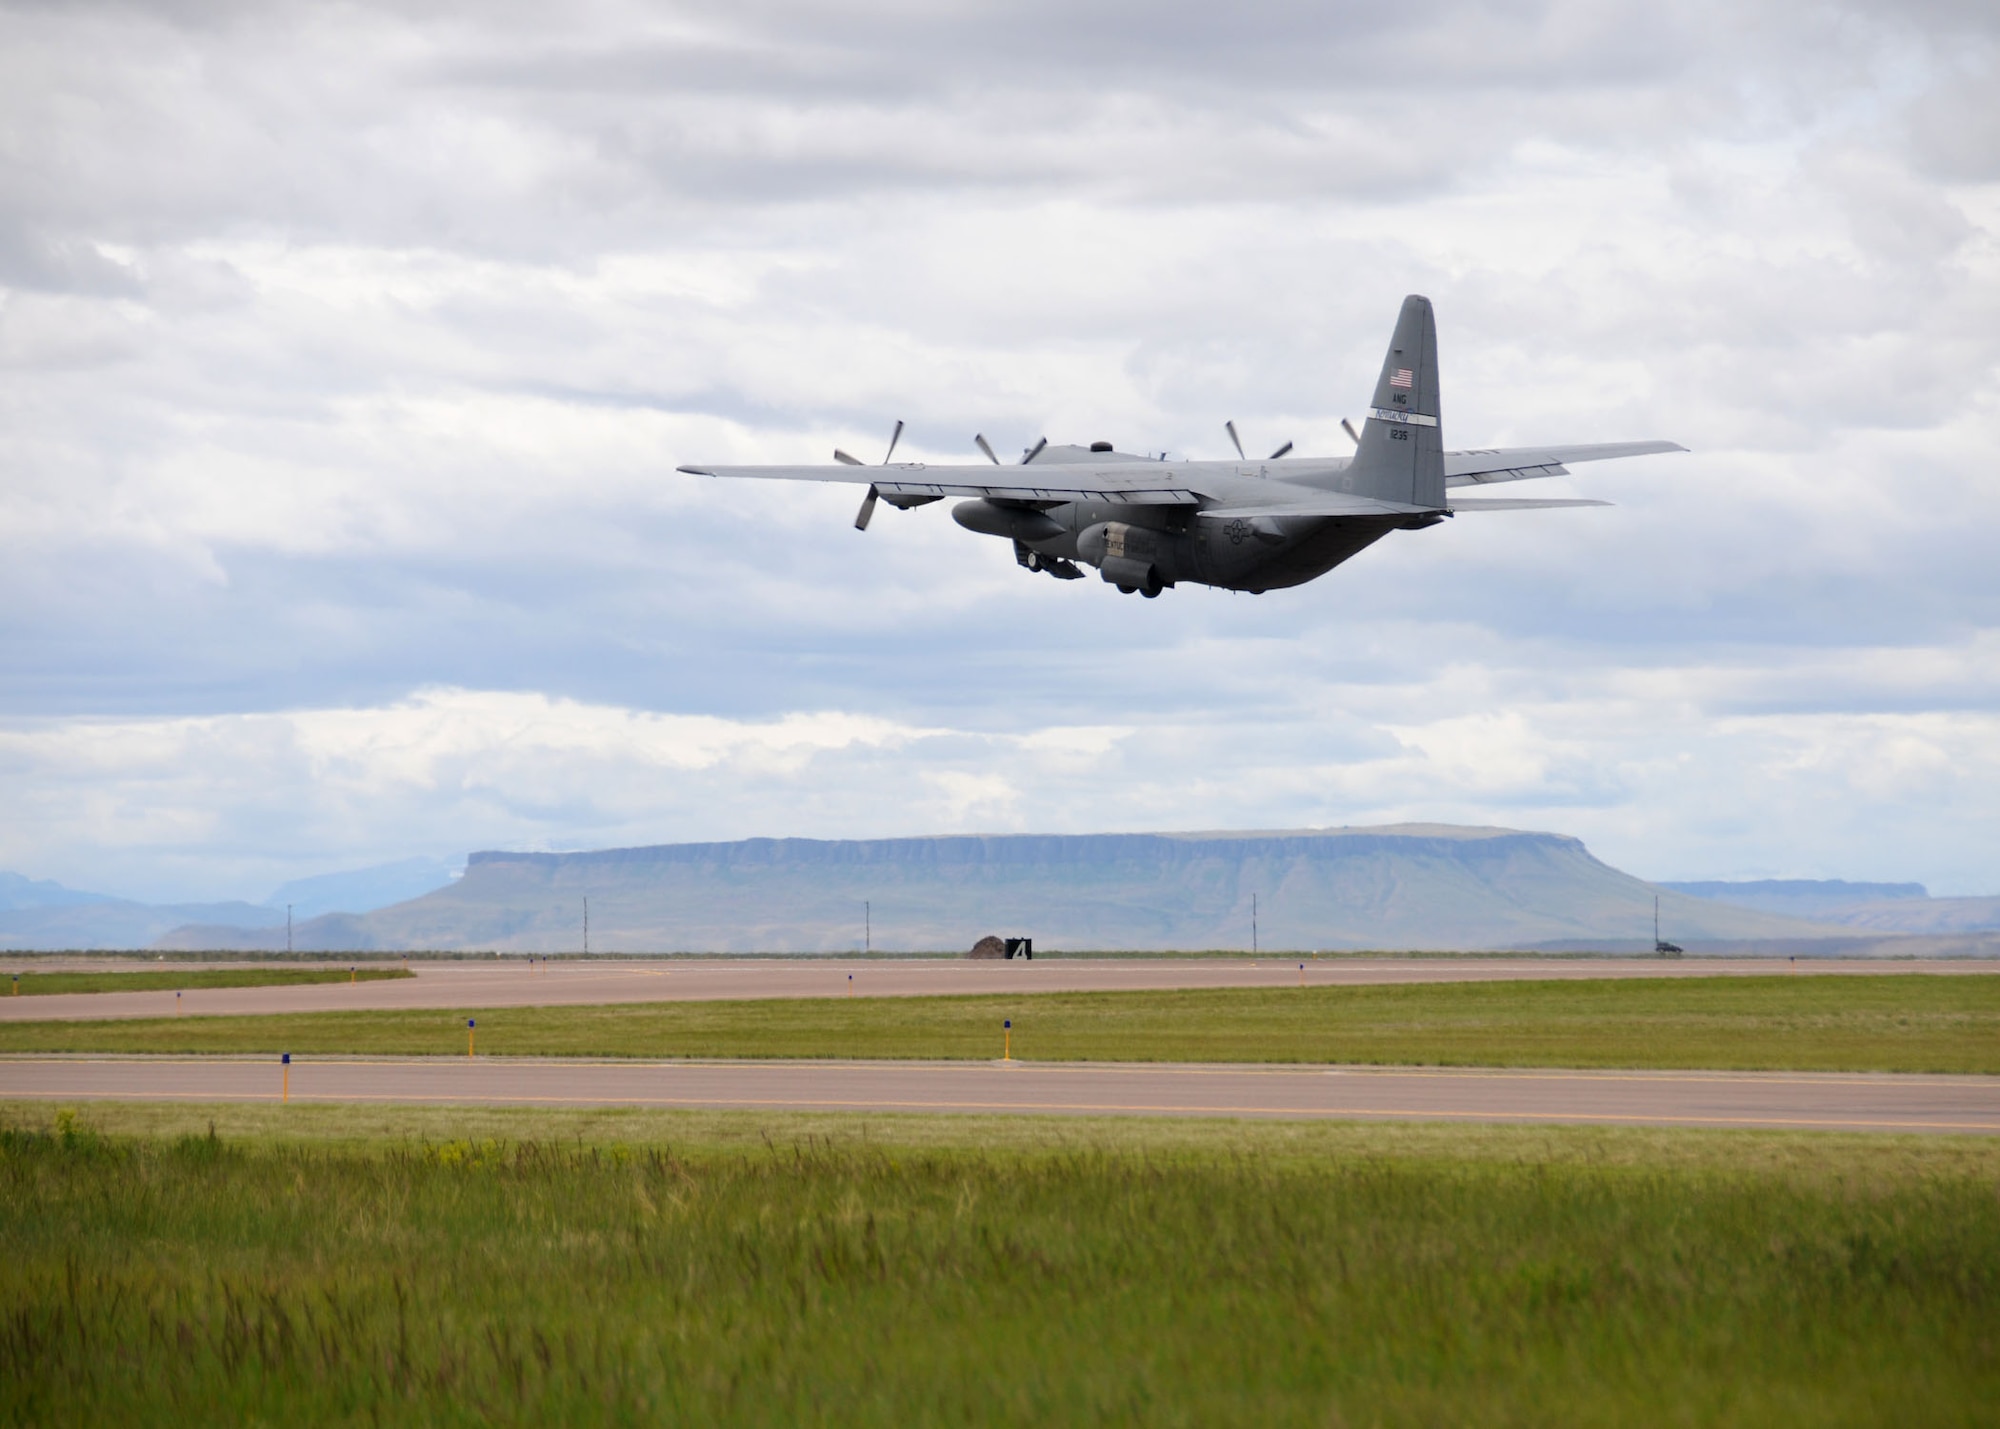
x: 894, y: 437
x: 845, y: 460
x: 980, y: 441
x: 1279, y: 452
x: 1352, y: 435
x: 1234, y: 440
x: 867, y: 512
x: 1034, y: 451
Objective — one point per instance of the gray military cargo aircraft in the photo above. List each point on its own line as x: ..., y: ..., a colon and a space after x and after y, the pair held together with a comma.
x: 1149, y: 524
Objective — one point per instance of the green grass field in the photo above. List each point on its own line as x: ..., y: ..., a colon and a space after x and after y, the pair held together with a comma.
x: 34, y: 984
x: 1900, y: 1023
x: 332, y: 1264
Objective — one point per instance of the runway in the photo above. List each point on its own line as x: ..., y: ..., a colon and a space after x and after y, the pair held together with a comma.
x: 1803, y: 1101
x: 515, y: 982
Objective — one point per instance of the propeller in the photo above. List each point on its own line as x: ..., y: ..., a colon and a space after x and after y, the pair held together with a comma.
x: 979, y: 440
x: 1237, y: 442
x: 867, y: 512
x: 1352, y: 435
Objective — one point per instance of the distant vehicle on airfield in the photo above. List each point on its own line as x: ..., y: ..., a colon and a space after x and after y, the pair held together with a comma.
x: 1148, y: 525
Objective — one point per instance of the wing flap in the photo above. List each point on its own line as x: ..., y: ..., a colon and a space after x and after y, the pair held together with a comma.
x: 1517, y: 503
x: 1330, y: 504
x: 1149, y: 485
x: 995, y: 491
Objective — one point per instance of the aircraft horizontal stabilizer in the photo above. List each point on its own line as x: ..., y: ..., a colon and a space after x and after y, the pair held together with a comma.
x: 1490, y: 464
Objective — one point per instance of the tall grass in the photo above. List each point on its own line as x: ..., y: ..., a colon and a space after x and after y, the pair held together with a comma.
x: 830, y: 1281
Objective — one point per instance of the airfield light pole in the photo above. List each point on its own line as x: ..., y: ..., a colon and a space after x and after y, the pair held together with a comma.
x: 586, y: 927
x: 288, y: 930
x: 867, y: 926
x: 1253, y: 925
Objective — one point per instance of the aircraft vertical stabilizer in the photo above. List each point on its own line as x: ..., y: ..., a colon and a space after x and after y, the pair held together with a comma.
x: 1401, y: 456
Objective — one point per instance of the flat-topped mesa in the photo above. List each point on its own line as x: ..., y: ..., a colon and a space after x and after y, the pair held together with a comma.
x: 1419, y: 886
x: 1028, y: 848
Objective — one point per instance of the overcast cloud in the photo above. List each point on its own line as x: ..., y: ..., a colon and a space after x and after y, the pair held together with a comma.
x: 346, y: 353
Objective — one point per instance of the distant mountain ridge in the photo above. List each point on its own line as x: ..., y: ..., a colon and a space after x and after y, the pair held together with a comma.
x: 102, y: 923
x: 1904, y: 908
x: 1781, y: 895
x: 1415, y: 886
x: 1412, y: 886
x: 44, y: 915
x: 18, y: 893
x: 363, y: 890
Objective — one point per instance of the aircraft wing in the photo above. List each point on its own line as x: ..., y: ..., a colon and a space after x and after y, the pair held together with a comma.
x: 1139, y: 483
x: 1490, y: 464
x: 1219, y: 488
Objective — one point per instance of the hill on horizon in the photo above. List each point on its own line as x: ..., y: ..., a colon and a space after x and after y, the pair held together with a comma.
x: 1866, y: 907
x: 1412, y: 886
x: 42, y: 915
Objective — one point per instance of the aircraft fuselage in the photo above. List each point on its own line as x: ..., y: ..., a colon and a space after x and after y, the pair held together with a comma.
x: 1147, y: 549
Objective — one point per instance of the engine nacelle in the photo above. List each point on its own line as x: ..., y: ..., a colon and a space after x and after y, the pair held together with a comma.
x: 1019, y: 523
x: 1126, y: 555
x: 1117, y: 541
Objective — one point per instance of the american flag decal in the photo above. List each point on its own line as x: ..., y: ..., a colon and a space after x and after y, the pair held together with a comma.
x: 1400, y: 377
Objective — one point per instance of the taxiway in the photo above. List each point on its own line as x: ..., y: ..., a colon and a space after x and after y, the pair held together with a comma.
x: 1805, y: 1101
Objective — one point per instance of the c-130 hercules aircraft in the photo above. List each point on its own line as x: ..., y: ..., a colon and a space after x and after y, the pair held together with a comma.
x: 1242, y: 525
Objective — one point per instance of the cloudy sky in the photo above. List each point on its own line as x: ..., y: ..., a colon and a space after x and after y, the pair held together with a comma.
x: 346, y: 353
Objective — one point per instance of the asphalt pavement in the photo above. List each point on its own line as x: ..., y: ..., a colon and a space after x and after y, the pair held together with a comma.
x: 1826, y: 1102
